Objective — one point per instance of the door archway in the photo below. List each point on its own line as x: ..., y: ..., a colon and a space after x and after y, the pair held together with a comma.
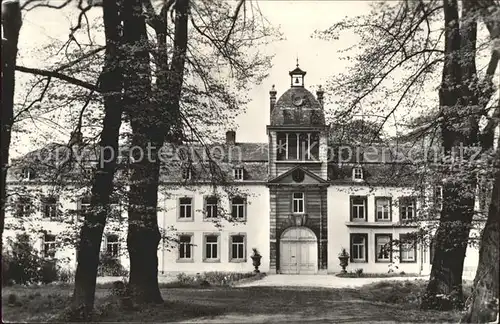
x: 298, y: 251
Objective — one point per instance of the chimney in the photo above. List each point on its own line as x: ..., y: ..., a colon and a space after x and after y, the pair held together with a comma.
x: 319, y: 95
x: 272, y: 97
x: 230, y: 137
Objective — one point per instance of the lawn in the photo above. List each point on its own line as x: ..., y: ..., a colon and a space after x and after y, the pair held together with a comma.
x: 383, y: 301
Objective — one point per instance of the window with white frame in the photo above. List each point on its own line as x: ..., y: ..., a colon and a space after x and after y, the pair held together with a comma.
x: 186, y: 208
x: 239, y: 174
x: 211, y: 206
x: 383, y: 208
x: 27, y: 174
x: 358, y: 208
x: 211, y: 247
x: 49, y: 245
x: 359, y: 247
x: 407, y: 208
x: 112, y: 245
x: 49, y: 207
x: 185, y: 247
x: 237, y: 247
x: 407, y: 249
x: 383, y: 247
x: 238, y: 206
x: 84, y: 207
x: 297, y: 146
x: 357, y: 173
x: 298, y: 203
x: 23, y: 206
x: 186, y: 173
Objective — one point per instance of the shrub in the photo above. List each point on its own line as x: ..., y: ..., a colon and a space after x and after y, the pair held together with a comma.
x: 185, y: 279
x: 110, y: 266
x: 359, y: 272
x: 22, y: 263
x: 48, y: 271
x: 12, y: 299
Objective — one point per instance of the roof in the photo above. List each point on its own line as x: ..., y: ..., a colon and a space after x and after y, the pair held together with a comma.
x: 297, y: 107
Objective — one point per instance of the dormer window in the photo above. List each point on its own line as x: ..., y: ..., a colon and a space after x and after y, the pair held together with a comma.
x: 186, y: 174
x: 357, y: 174
x: 238, y: 174
x: 27, y: 174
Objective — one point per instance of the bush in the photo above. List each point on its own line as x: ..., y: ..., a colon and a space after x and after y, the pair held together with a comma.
x: 22, y: 263
x: 213, y: 278
x: 110, y: 266
x: 359, y: 272
x: 48, y: 271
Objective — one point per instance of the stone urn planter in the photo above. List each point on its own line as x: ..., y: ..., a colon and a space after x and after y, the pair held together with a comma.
x: 256, y: 260
x: 344, y: 259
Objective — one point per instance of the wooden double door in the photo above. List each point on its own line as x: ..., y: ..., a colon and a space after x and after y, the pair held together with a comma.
x: 298, y: 251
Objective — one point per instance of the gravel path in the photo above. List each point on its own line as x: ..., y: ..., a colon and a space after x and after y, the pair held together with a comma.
x: 325, y: 281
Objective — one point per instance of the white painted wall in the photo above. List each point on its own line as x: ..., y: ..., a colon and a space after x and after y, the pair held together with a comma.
x: 256, y: 229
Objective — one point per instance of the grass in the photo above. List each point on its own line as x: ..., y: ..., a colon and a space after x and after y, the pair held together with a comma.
x: 383, y: 301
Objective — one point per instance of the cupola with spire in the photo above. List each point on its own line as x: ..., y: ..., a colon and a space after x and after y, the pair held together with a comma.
x: 297, y: 76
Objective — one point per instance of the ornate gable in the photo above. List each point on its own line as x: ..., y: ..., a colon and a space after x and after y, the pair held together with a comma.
x: 298, y: 176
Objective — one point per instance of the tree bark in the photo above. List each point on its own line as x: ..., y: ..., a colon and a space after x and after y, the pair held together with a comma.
x: 459, y: 126
x: 11, y: 25
x: 485, y: 294
x: 91, y: 232
x: 152, y: 117
x: 143, y: 232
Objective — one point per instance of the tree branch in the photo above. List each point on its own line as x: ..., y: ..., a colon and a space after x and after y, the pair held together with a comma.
x: 58, y: 75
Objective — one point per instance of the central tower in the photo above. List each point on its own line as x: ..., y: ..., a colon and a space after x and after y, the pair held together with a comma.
x: 298, y: 178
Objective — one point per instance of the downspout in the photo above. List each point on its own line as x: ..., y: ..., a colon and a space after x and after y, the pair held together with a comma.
x: 321, y: 230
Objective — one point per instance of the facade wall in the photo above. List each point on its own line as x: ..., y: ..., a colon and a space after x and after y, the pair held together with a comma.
x: 255, y: 230
x: 282, y: 218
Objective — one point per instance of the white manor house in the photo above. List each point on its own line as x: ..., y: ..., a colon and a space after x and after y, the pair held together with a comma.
x: 291, y: 198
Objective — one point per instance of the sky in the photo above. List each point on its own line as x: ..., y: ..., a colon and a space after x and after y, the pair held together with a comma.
x: 297, y: 21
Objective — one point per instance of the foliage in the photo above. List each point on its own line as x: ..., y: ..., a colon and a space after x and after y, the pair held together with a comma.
x: 110, y: 266
x: 343, y: 253
x: 215, y: 278
x: 22, y: 264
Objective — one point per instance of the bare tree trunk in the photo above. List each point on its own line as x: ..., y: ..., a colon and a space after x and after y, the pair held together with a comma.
x: 484, y: 299
x: 11, y: 25
x: 143, y: 232
x: 152, y: 120
x: 95, y: 219
x: 444, y: 290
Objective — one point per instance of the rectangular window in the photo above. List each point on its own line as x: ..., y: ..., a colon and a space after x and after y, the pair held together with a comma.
x: 383, y: 209
x: 292, y: 147
x: 407, y: 249
x: 23, y: 206
x: 281, y: 146
x: 186, y: 173
x: 238, y: 208
x: 357, y: 173
x: 211, y: 247
x: 49, y: 207
x: 211, y: 206
x: 359, y: 247
x: 407, y: 208
x: 49, y: 245
x: 84, y: 207
x: 358, y: 208
x: 383, y: 247
x: 298, y: 202
x: 185, y: 247
x: 237, y: 248
x: 438, y: 198
x: 186, y: 208
x: 238, y: 174
x: 112, y: 245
